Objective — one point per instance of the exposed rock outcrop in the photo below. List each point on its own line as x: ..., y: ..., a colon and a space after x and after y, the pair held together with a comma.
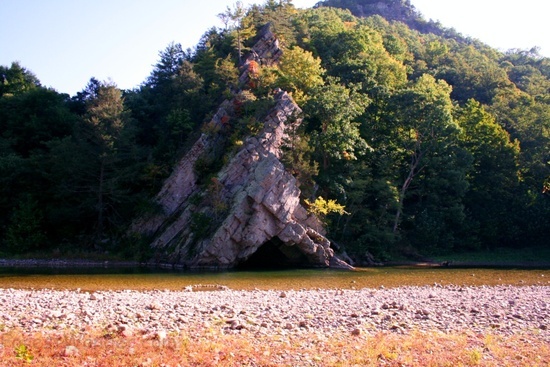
x: 249, y: 212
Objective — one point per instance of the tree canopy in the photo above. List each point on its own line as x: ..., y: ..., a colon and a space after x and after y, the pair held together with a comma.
x: 431, y: 141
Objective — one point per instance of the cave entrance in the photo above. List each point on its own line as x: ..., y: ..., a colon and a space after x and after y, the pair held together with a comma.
x: 274, y: 254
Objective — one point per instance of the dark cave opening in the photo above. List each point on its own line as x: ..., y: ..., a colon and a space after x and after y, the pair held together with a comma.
x: 274, y: 254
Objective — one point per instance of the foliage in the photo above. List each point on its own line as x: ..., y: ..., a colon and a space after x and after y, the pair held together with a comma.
x: 333, y: 109
x: 25, y: 232
x: 23, y: 353
x: 200, y: 224
x: 494, y: 176
x: 297, y: 158
x: 322, y: 207
x: 299, y: 73
x: 234, y: 21
x: 432, y: 141
x: 16, y: 80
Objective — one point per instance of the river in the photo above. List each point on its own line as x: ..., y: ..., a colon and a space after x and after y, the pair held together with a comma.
x: 136, y: 278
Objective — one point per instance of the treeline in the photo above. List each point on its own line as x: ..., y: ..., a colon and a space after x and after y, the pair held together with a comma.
x: 432, y: 143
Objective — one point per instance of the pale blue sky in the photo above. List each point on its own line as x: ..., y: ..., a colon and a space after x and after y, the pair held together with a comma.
x: 66, y: 42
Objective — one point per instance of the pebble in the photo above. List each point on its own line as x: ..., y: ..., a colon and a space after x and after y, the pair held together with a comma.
x: 500, y: 309
x: 71, y: 351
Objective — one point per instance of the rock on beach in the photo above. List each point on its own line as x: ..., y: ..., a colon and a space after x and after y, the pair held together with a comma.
x: 500, y: 309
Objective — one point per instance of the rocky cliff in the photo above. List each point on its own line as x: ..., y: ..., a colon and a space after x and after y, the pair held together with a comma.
x: 248, y: 213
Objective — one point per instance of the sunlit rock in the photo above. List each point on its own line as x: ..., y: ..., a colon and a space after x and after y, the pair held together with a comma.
x: 249, y: 211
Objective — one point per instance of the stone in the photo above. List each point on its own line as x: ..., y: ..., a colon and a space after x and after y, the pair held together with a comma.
x: 71, y: 351
x: 160, y: 335
x: 126, y: 332
x: 57, y: 314
x: 251, y: 210
x: 153, y: 306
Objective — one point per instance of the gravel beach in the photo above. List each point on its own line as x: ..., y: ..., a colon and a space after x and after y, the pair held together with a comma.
x: 501, y: 310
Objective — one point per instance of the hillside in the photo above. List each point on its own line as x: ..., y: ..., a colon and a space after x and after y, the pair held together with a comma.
x: 429, y: 143
x: 392, y: 10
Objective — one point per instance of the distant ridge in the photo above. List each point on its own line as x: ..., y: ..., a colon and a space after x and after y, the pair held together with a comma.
x: 392, y: 10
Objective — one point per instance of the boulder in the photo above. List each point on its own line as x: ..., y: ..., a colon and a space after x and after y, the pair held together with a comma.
x: 250, y: 210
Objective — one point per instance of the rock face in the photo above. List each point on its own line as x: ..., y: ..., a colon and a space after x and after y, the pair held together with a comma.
x: 249, y: 212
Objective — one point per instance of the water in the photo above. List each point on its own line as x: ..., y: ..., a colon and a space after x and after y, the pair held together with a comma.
x: 91, y: 279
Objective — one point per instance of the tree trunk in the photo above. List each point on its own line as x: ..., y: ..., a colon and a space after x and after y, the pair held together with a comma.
x: 415, y: 161
x: 402, y: 193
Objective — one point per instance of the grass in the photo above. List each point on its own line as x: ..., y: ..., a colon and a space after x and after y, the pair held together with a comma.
x: 210, y: 347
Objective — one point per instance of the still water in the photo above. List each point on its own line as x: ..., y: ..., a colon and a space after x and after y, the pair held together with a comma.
x: 90, y: 279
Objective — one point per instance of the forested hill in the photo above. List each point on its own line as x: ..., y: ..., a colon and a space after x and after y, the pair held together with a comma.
x: 391, y: 10
x: 432, y: 144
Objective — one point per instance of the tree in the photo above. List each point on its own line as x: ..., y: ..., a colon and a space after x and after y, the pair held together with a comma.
x: 166, y: 69
x: 424, y: 122
x: 322, y: 207
x: 280, y: 15
x: 297, y: 158
x: 25, y: 232
x: 29, y: 121
x: 104, y: 123
x: 494, y: 176
x: 168, y: 106
x: 472, y: 72
x: 527, y: 119
x: 16, y: 79
x: 352, y: 51
x: 227, y: 73
x: 299, y: 72
x: 233, y: 20
x: 332, y: 111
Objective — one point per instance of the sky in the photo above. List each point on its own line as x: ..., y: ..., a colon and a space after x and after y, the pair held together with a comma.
x: 67, y: 42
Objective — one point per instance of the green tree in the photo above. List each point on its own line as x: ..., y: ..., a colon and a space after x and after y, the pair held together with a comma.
x: 29, y: 121
x: 227, y: 73
x: 280, y: 15
x: 527, y: 119
x: 332, y: 111
x: 31, y: 118
x: 168, y: 106
x: 233, y: 19
x: 472, y: 72
x: 494, y: 177
x: 351, y: 50
x: 428, y: 135
x: 16, y: 79
x: 299, y: 72
x: 104, y: 130
x: 25, y: 232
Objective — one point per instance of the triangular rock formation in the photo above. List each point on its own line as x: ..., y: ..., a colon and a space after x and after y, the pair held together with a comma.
x: 250, y: 213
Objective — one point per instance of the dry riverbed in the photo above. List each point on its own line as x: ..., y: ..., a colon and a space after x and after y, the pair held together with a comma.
x: 318, y: 323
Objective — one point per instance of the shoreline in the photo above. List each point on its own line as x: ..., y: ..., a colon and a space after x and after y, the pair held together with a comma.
x: 78, y: 263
